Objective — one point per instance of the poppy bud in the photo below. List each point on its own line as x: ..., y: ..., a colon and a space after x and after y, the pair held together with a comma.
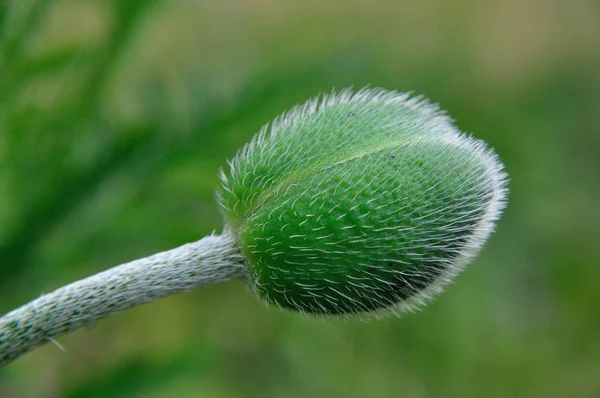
x: 357, y: 202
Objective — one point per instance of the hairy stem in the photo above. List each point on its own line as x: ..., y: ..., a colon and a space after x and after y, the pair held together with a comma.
x: 210, y: 260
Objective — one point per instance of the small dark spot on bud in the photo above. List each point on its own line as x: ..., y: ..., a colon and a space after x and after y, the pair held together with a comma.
x: 351, y: 114
x: 391, y: 157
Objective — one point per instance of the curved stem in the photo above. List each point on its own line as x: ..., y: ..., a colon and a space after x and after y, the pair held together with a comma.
x: 210, y: 260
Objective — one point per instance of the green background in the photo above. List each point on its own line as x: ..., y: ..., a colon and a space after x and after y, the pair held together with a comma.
x: 116, y: 115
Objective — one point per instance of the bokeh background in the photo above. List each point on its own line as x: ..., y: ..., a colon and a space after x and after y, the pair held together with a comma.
x: 116, y: 115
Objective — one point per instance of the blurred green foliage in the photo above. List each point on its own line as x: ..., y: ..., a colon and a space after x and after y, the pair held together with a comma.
x: 116, y: 115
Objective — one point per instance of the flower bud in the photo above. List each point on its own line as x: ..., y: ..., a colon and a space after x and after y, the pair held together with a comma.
x: 357, y: 202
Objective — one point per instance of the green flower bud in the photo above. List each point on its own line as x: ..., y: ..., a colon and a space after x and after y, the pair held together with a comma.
x: 356, y: 202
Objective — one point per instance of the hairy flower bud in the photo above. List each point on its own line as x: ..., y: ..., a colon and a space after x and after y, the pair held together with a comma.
x: 355, y: 202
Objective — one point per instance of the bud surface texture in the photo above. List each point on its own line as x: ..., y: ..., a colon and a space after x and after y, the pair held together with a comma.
x: 356, y: 202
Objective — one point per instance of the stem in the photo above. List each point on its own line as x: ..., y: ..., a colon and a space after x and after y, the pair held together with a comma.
x: 213, y: 259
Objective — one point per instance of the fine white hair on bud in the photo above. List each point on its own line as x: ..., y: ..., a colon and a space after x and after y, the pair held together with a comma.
x: 358, y: 202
